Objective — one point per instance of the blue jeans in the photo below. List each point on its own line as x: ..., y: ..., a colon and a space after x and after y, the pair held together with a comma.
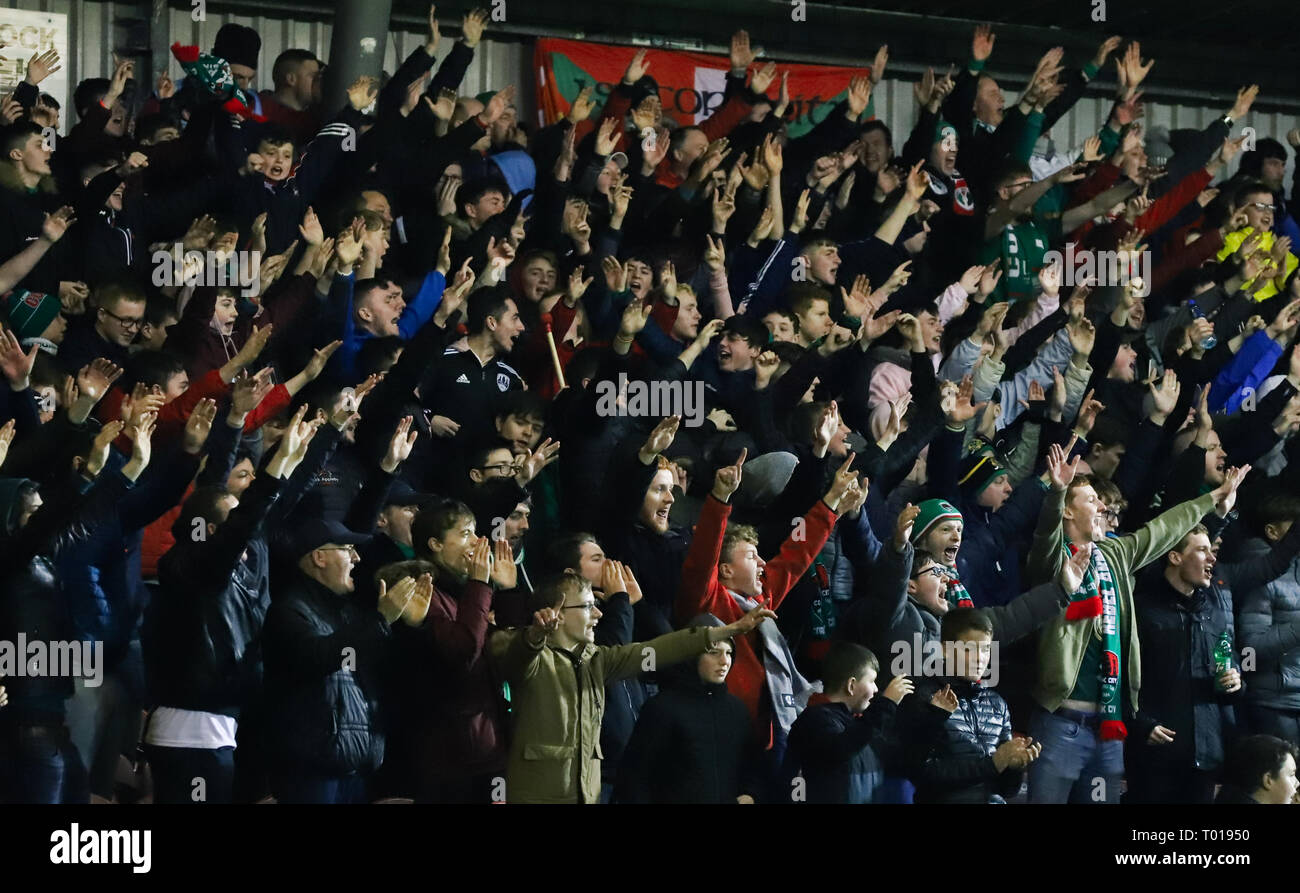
x: 177, y: 770
x: 39, y: 764
x: 298, y: 787
x: 1076, y: 766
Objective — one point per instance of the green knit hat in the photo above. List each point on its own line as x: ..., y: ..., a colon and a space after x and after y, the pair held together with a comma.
x: 30, y: 312
x: 933, y: 511
x: 942, y: 129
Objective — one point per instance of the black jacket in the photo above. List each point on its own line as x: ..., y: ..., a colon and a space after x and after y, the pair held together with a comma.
x: 202, y: 634
x: 694, y: 743
x: 844, y: 757
x: 1178, y: 635
x: 32, y: 601
x: 959, y: 768
x: 324, y: 657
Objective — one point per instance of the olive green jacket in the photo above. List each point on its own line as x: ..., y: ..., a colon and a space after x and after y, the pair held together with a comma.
x: 558, y: 701
x: 1062, y: 643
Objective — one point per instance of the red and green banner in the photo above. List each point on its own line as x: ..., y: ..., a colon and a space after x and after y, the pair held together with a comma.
x: 691, y: 85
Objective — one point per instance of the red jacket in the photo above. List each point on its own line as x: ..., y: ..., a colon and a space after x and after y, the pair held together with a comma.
x: 701, y: 592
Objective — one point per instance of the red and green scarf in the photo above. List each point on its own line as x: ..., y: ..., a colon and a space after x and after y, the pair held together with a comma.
x: 1098, y: 597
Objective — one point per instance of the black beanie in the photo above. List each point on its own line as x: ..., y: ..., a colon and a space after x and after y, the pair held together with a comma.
x: 238, y: 45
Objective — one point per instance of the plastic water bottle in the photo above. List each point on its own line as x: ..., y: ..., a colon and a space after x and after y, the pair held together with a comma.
x: 1208, y: 342
x: 1222, y: 657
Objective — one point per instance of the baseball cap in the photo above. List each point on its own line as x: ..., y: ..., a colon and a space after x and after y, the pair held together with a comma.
x: 315, y: 533
x: 402, y: 493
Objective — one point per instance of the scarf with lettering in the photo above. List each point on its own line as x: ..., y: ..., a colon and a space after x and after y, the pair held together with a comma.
x: 1097, y: 599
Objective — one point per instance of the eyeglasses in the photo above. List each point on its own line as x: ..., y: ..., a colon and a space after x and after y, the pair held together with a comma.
x: 1264, y: 206
x: 933, y: 570
x: 349, y: 549
x: 497, y: 467
x: 585, y: 606
x: 126, y: 322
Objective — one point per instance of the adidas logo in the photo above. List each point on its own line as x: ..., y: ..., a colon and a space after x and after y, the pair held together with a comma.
x: 464, y: 379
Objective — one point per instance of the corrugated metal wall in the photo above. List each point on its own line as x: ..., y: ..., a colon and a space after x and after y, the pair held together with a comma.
x: 97, y: 28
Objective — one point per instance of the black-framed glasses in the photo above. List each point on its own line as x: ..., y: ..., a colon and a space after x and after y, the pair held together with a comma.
x: 497, y: 467
x: 934, y: 570
x: 1264, y: 206
x: 126, y: 322
x: 585, y: 606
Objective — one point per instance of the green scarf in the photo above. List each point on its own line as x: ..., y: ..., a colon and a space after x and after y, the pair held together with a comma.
x: 1097, y: 597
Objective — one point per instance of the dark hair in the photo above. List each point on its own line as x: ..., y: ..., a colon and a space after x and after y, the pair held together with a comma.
x: 378, y: 354
x: 803, y: 420
x: 89, y: 92
x: 16, y: 135
x: 1107, y: 431
x: 147, y: 126
x: 679, y: 136
x: 479, y: 455
x: 46, y: 372
x: 844, y: 661
x: 287, y: 62
x: 522, y: 404
x: 157, y: 309
x: 801, y: 295
x: 922, y: 557
x: 1253, y: 161
x: 962, y: 620
x: 566, y: 552
x: 1269, y: 508
x: 485, y: 303
x: 1249, y: 188
x: 1013, y: 170
x: 433, y: 523
x: 202, y: 505
x: 1252, y: 758
x: 366, y: 286
x: 274, y: 135
x: 48, y: 101
x: 554, y: 590
x: 154, y: 367
x: 470, y: 193
x: 876, y: 124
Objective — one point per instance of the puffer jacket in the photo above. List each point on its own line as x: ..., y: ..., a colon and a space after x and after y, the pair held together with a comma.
x: 202, y: 634
x: 1268, y: 621
x: 959, y: 767
x: 324, y: 658
x: 558, y: 700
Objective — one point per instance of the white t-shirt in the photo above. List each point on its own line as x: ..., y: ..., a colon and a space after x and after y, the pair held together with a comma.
x: 172, y: 727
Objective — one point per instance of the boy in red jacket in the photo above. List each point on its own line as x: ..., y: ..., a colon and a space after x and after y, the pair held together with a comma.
x: 723, y: 575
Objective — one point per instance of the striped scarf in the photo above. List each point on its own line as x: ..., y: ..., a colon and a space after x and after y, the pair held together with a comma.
x: 1098, y: 597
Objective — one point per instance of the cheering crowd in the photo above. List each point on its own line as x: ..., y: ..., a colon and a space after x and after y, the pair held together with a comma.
x: 327, y: 431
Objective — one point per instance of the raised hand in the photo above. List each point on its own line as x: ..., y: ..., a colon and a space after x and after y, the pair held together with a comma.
x: 418, y: 607
x: 97, y: 458
x: 660, y: 438
x: 362, y: 92
x: 41, y: 66
x: 1225, y: 495
x: 472, y: 25
x: 844, y: 478
x: 536, y: 460
x: 505, y: 573
x: 898, y: 688
x: 726, y: 481
x: 400, y: 445
x: 394, y: 602
x: 945, y: 699
x: 981, y: 45
x: 957, y: 407
x: 1060, y: 471
x: 16, y: 365
x: 199, y: 425
x: 57, y: 223
x: 94, y: 380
